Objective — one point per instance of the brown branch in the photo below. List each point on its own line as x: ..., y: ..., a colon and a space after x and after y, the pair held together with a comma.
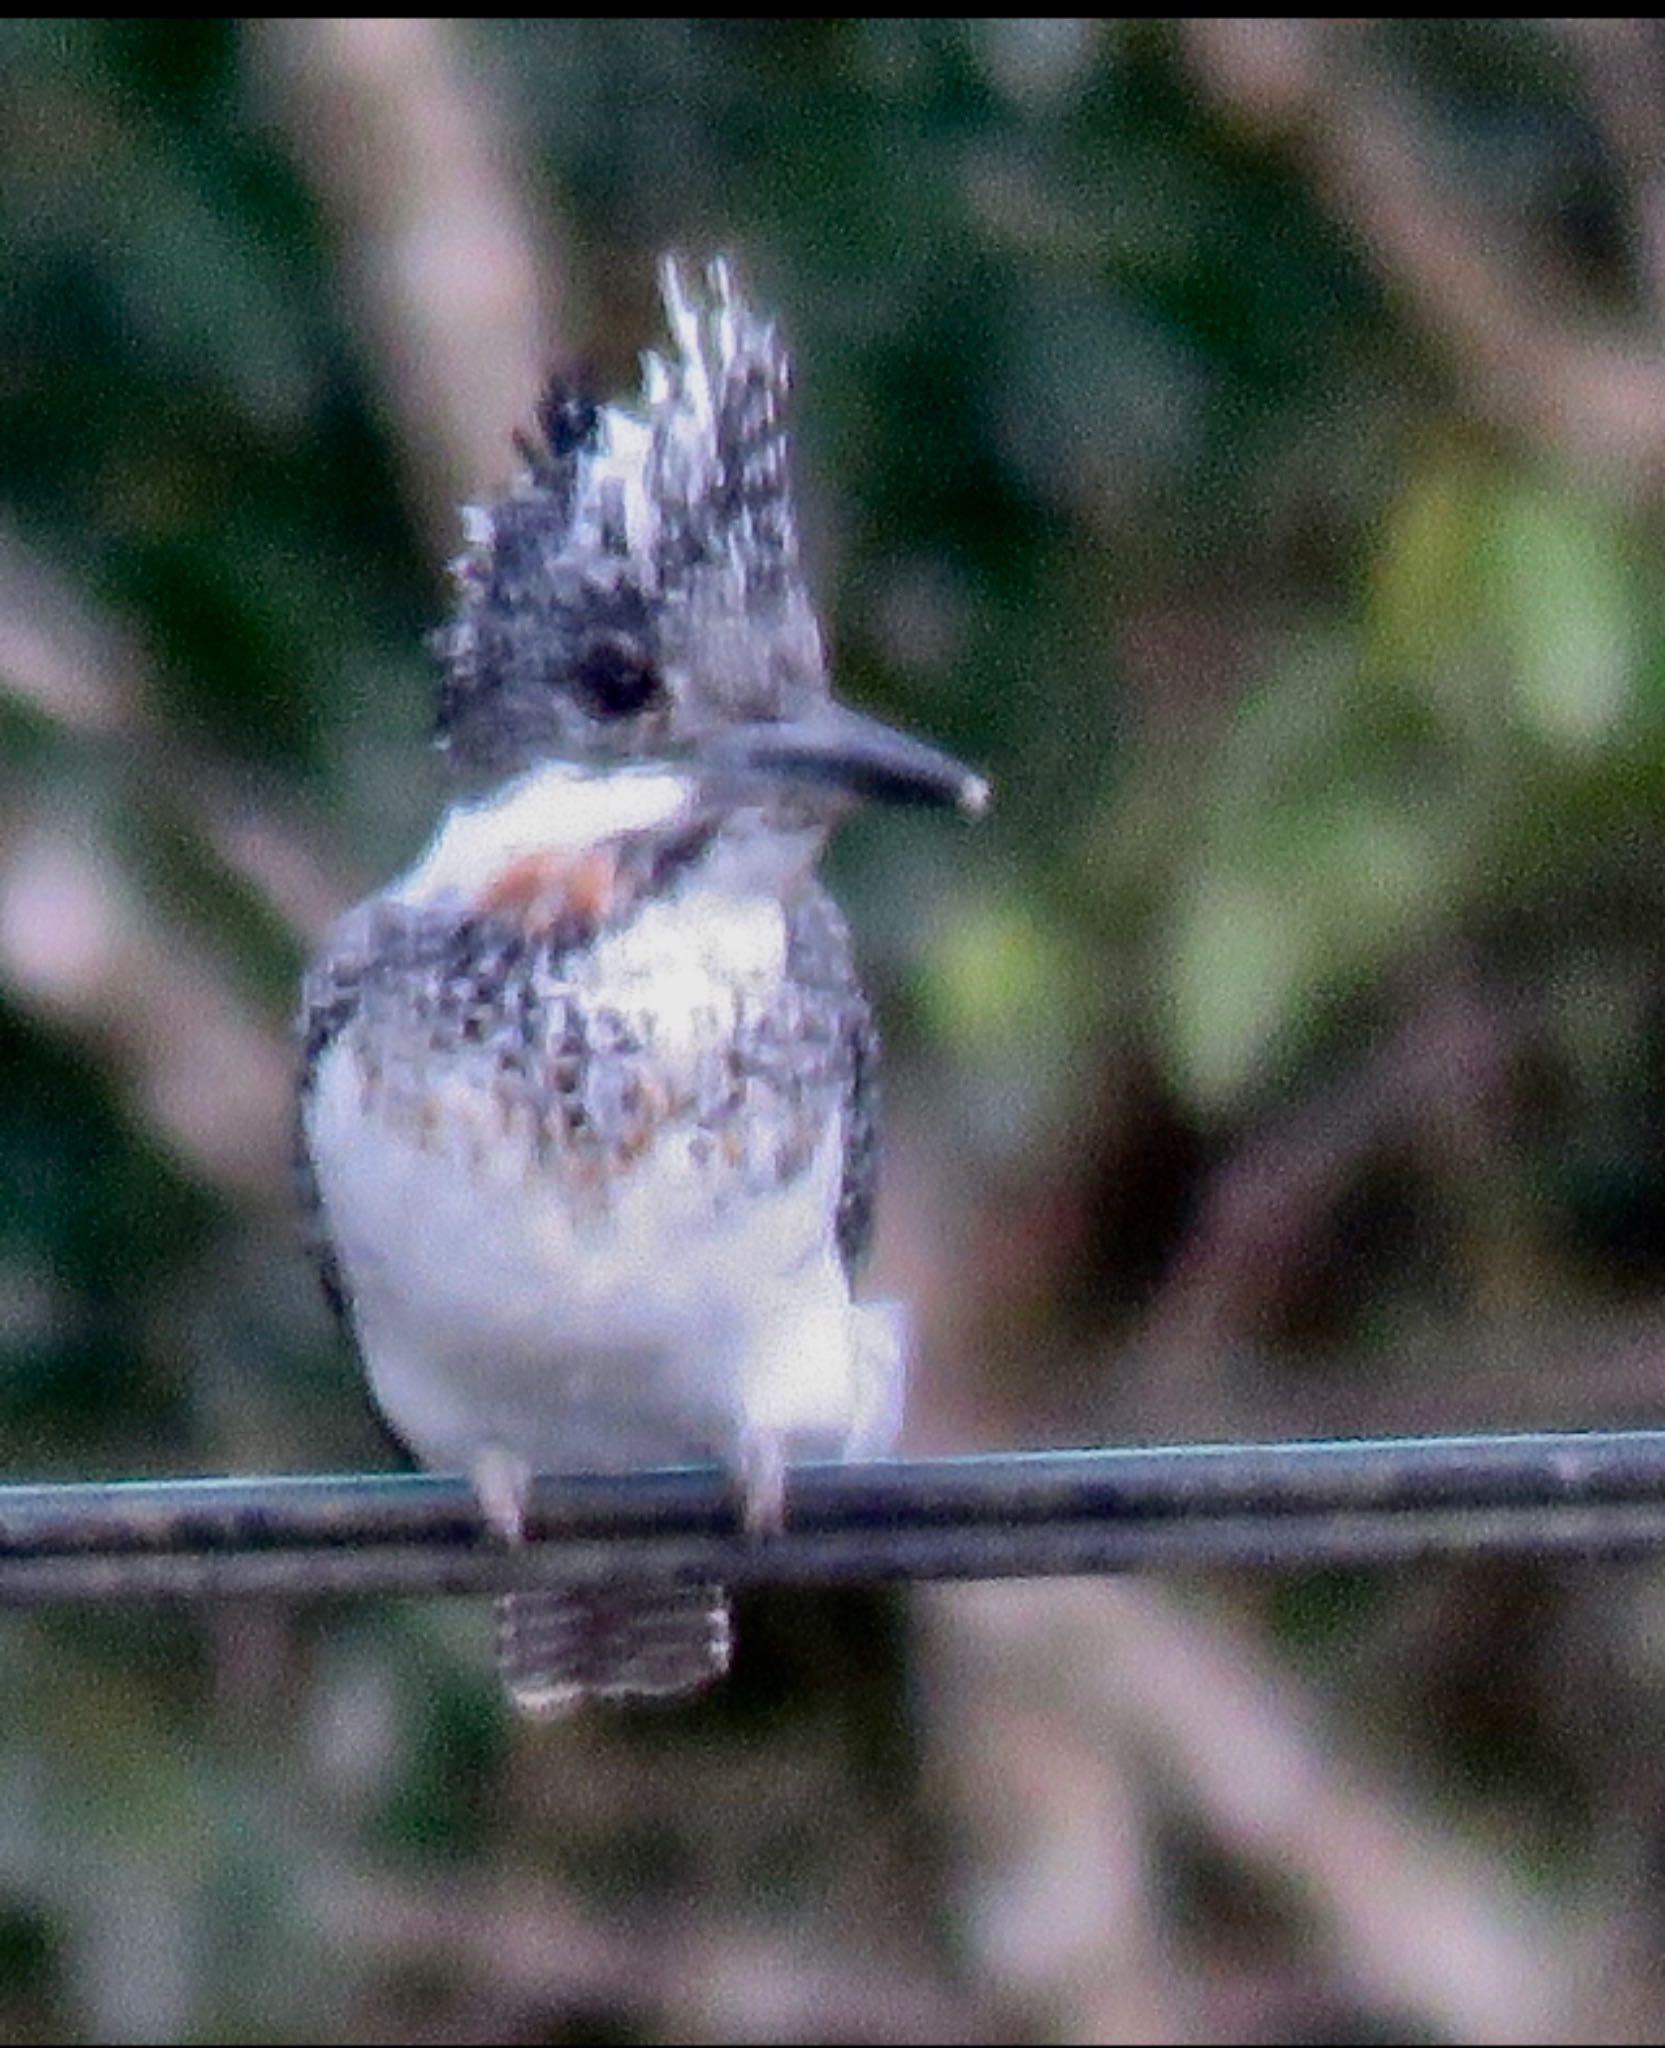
x: 1417, y: 1925
x: 451, y: 272
x: 84, y: 952
x: 79, y: 951
x: 1533, y: 358
x: 1623, y: 60
x: 534, y: 1951
x: 1055, y: 1868
x: 1445, y: 1066
x: 73, y: 665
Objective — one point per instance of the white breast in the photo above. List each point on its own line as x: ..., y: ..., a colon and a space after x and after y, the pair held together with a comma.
x: 674, y: 1318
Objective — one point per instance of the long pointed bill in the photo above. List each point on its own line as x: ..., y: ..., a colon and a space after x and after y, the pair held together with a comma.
x: 841, y: 749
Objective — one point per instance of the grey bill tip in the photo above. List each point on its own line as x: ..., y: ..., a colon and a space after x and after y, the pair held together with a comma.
x: 844, y: 750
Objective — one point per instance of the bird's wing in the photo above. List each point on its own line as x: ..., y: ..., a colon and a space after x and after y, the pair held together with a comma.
x: 819, y: 955
x: 330, y: 996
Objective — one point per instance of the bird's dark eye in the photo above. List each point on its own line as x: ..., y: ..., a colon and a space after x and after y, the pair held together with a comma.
x: 616, y: 674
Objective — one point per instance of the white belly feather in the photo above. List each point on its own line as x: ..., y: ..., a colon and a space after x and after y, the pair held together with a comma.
x: 680, y: 1314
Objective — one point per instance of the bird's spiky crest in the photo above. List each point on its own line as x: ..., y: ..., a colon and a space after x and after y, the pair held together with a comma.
x: 662, y: 534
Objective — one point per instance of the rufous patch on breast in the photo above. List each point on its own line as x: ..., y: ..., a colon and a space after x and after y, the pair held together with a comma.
x: 542, y: 890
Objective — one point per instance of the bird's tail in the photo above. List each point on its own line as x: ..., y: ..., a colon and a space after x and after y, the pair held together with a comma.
x: 560, y: 1646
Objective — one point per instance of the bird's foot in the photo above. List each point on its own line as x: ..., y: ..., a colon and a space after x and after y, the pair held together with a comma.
x: 503, y: 1486
x: 761, y: 1470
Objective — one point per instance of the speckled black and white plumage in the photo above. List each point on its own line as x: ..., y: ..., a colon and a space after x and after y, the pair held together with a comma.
x: 595, y: 1190
x: 573, y: 1078
x: 659, y: 544
x: 587, y: 1103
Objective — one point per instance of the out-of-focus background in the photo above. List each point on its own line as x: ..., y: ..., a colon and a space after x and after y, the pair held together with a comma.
x: 1246, y: 439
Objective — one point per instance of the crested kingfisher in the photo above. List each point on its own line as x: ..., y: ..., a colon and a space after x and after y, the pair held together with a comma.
x: 587, y: 1095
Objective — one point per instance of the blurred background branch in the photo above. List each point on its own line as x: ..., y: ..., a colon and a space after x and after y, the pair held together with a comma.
x: 455, y: 278
x: 1512, y: 323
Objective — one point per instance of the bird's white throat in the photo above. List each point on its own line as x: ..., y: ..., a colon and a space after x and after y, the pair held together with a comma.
x: 556, y: 807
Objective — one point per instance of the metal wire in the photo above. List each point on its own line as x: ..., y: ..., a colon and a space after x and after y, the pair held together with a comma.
x: 1027, y: 1514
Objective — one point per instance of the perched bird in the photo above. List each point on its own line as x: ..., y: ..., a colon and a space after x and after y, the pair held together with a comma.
x: 587, y: 1101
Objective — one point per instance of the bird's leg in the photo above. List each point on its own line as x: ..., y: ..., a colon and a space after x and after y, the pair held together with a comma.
x: 503, y: 1486
x: 761, y: 1470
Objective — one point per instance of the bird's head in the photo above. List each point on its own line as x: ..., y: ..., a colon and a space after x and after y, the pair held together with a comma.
x: 638, y: 596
